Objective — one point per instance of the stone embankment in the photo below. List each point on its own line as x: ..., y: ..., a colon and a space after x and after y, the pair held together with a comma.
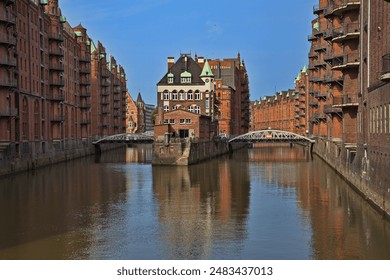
x: 378, y: 195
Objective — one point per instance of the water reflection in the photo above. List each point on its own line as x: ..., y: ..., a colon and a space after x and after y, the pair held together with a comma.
x: 202, y: 206
x: 262, y: 203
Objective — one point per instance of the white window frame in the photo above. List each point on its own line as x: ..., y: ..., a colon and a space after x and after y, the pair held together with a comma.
x: 166, y: 95
x: 174, y: 95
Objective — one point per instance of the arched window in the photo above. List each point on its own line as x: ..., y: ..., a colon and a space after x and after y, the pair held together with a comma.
x: 174, y: 95
x: 166, y: 108
x: 176, y: 107
x: 166, y: 95
x: 197, y: 110
x: 190, y: 95
x: 191, y: 108
x: 181, y: 95
x: 197, y: 95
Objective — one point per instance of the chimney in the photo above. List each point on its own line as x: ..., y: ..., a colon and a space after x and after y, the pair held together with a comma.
x: 171, y: 62
x: 201, y: 61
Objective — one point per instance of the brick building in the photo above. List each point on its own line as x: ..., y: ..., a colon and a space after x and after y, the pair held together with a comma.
x: 349, y: 77
x: 108, y: 85
x: 232, y: 95
x: 187, y: 87
x: 136, y: 119
x: 286, y: 110
x: 275, y: 112
x: 47, y: 97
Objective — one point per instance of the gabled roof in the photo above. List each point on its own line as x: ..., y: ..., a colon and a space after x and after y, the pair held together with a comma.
x: 185, y: 63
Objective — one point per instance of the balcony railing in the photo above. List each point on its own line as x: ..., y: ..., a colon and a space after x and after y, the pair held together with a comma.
x: 334, y: 78
x: 106, y: 73
x: 7, y: 18
x: 8, y: 83
x: 6, y: 39
x: 85, y: 105
x: 317, y: 9
x: 56, y: 51
x: 85, y: 58
x: 348, y: 31
x: 345, y: 100
x: 320, y: 116
x: 57, y: 82
x: 85, y: 122
x: 85, y: 94
x: 56, y: 36
x: 56, y: 97
x: 85, y: 82
x: 385, y: 67
x: 350, y: 60
x: 8, y: 112
x: 313, y: 104
x: 344, y: 5
x: 329, y: 109
x: 8, y: 61
x: 320, y: 47
x: 56, y: 66
x: 57, y: 118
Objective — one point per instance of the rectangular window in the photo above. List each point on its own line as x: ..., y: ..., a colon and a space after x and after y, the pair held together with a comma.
x: 182, y: 121
x: 172, y: 121
x: 165, y: 121
x: 207, y: 103
x: 385, y: 118
x: 188, y: 121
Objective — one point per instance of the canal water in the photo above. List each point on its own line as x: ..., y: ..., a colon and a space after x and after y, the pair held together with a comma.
x: 271, y: 202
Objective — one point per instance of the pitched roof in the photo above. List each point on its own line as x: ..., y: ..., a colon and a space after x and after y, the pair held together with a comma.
x: 206, y: 72
x: 185, y: 63
x: 139, y: 98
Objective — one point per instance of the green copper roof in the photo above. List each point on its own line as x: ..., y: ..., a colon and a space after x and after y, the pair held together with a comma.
x: 316, y: 26
x: 93, y: 47
x: 170, y: 75
x: 304, y: 69
x: 78, y: 33
x: 206, y: 72
x: 185, y: 74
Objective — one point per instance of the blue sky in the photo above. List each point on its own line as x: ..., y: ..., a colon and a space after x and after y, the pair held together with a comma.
x: 271, y: 36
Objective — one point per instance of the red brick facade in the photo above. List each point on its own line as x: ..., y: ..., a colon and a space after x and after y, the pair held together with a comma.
x: 184, y: 124
x: 232, y: 95
x: 50, y: 96
x: 136, y: 113
x: 286, y: 110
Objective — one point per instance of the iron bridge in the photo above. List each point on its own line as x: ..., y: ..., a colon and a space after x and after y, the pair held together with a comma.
x: 126, y: 138
x: 271, y: 135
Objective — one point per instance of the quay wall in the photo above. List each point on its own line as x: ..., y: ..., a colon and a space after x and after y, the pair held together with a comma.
x: 359, y: 173
x: 30, y: 156
x: 187, y: 152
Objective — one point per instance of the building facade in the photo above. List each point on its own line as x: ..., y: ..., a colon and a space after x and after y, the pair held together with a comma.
x: 47, y: 93
x: 287, y: 110
x: 136, y: 121
x: 232, y: 95
x: 188, y: 86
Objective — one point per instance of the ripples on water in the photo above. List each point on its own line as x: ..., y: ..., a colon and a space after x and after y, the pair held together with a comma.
x: 263, y: 203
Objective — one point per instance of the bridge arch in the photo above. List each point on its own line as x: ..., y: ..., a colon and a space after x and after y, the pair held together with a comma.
x: 126, y: 138
x: 272, y: 136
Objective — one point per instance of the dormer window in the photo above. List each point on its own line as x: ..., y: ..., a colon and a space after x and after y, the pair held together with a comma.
x: 170, y: 78
x: 185, y: 77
